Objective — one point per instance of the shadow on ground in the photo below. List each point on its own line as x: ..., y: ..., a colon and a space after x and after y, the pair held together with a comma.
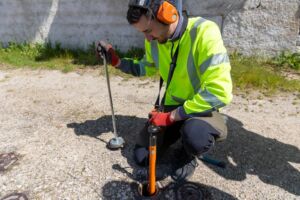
x: 244, y: 151
x: 127, y: 127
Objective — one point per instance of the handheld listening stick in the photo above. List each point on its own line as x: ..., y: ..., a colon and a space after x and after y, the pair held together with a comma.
x: 116, y: 142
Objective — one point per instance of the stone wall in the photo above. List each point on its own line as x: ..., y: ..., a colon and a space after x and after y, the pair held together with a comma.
x: 248, y: 26
x: 264, y: 26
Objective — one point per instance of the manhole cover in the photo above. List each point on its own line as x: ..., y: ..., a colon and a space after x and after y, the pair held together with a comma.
x: 6, y: 160
x: 15, y: 196
x: 192, y: 191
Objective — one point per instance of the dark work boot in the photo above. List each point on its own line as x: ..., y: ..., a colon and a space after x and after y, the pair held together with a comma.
x: 185, y: 168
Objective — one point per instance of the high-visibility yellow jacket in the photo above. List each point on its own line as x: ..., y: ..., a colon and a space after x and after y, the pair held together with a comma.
x: 201, y: 81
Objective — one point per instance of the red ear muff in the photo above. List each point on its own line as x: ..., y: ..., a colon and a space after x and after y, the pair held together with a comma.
x: 167, y: 13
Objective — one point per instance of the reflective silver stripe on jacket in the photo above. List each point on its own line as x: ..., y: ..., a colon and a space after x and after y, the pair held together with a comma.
x: 211, y: 99
x: 214, y: 60
x: 191, y: 64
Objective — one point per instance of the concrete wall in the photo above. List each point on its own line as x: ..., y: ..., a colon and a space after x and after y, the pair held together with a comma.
x: 73, y: 23
x: 249, y: 26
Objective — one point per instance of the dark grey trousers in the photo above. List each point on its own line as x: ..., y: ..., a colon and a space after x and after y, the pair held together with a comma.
x: 198, y: 135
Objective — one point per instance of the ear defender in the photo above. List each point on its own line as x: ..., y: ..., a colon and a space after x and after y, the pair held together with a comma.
x: 167, y: 13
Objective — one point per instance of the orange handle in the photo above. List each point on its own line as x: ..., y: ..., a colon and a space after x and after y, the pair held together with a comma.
x: 152, y: 168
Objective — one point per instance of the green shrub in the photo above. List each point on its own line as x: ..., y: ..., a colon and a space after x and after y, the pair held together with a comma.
x: 287, y: 59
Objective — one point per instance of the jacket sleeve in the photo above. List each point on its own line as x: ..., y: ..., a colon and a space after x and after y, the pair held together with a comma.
x: 213, y: 66
x: 142, y: 67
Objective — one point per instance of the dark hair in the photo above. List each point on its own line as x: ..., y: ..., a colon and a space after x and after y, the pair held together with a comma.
x: 134, y: 14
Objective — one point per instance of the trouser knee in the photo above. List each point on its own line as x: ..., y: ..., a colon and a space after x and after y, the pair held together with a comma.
x: 198, y: 136
x: 164, y: 139
x: 141, y: 155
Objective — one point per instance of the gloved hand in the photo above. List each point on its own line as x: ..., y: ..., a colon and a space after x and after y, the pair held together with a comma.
x: 104, y: 49
x: 152, y: 112
x: 161, y: 118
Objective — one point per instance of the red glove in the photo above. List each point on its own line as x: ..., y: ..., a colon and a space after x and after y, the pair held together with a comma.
x: 104, y: 49
x: 161, y: 119
x: 152, y: 112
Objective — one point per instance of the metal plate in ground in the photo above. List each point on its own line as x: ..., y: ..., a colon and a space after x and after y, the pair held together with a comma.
x: 15, y: 196
x: 6, y: 160
x: 192, y: 191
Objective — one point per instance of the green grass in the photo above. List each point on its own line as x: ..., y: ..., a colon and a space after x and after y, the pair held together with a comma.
x: 248, y: 73
x: 46, y: 57
x: 251, y: 73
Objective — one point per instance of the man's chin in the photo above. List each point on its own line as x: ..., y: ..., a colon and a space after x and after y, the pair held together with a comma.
x: 162, y: 41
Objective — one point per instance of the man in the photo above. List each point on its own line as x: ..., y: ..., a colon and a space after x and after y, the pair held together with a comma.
x: 193, y: 63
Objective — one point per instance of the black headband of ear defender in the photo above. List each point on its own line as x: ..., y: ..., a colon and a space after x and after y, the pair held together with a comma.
x: 151, y: 5
x: 140, y: 3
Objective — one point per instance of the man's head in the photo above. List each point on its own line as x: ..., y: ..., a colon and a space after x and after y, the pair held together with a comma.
x: 157, y: 19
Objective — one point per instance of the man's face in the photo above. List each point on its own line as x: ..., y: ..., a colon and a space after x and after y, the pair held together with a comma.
x: 152, y: 29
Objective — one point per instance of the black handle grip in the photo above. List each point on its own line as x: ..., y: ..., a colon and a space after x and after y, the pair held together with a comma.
x: 152, y: 129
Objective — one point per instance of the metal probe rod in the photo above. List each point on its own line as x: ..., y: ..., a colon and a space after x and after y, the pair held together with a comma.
x: 110, y: 98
